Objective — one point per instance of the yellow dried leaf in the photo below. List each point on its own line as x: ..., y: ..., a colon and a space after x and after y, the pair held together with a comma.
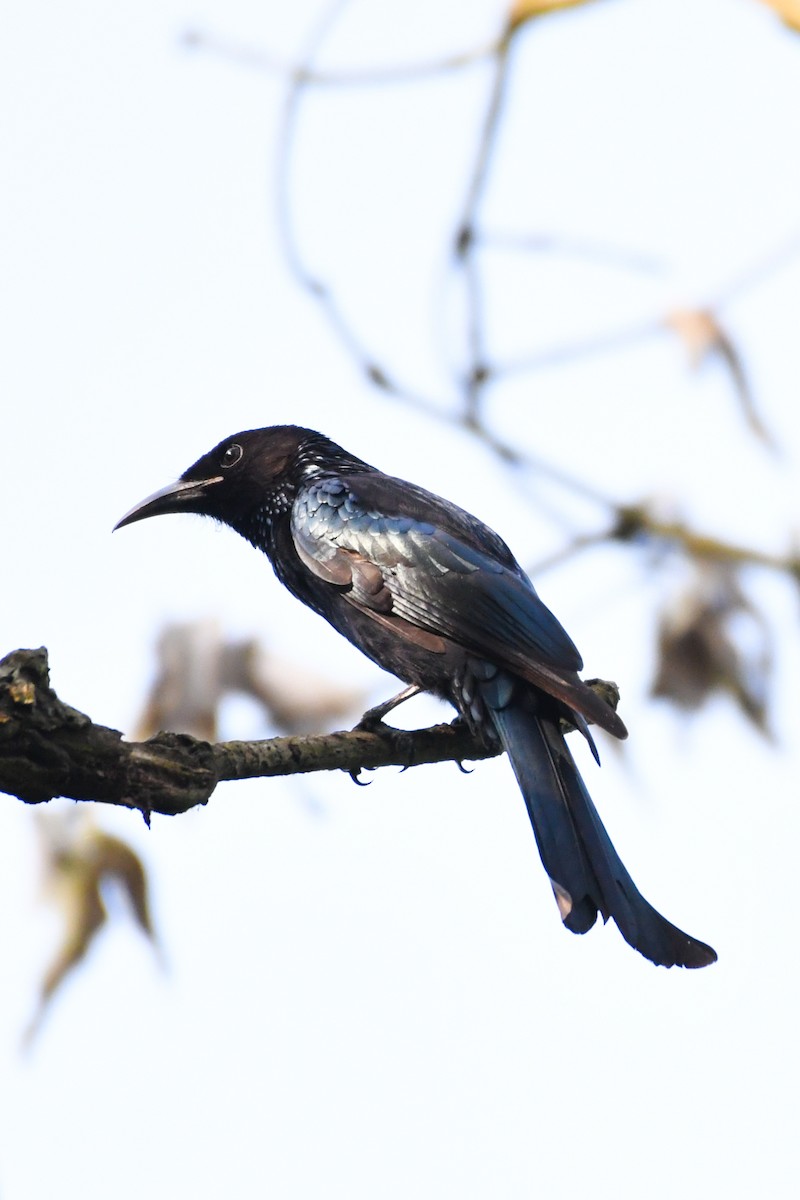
x: 698, y: 329
x: 787, y: 10
x: 83, y: 913
x: 524, y: 10
x: 113, y: 858
x: 79, y: 858
x: 703, y: 336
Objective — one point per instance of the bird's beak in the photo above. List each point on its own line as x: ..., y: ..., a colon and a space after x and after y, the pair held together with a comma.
x: 174, y: 498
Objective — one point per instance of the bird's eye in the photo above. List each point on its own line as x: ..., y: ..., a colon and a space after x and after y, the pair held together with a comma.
x: 232, y: 455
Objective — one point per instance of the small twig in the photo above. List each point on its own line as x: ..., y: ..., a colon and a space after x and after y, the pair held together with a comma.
x: 298, y: 81
x: 486, y: 142
x: 564, y: 244
x: 465, y: 243
x: 321, y: 291
x: 602, y: 343
x: 637, y: 522
x: 262, y: 60
x: 583, y: 541
x: 755, y: 273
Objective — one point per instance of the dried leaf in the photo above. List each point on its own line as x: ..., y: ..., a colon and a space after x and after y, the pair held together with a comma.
x: 78, y: 897
x: 198, y: 668
x: 524, y: 10
x: 79, y: 859
x: 112, y: 858
x: 296, y: 700
x: 187, y: 691
x: 703, y: 336
x: 787, y: 10
x: 698, y: 329
x: 712, y: 639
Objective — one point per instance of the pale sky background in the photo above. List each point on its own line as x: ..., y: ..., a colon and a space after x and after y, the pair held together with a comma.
x: 369, y: 993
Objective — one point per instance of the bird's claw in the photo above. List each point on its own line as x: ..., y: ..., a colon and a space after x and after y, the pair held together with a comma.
x: 354, y: 775
x: 372, y: 720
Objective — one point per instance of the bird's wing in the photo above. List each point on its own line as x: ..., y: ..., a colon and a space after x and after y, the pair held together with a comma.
x: 437, y: 579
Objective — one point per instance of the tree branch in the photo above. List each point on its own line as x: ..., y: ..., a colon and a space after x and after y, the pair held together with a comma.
x: 49, y: 749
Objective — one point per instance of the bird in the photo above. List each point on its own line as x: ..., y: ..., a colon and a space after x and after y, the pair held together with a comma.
x: 434, y: 596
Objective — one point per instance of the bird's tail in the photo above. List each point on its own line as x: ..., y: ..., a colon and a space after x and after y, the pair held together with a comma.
x: 585, y: 870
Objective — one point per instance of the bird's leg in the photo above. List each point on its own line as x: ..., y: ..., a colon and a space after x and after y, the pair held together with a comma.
x: 374, y: 716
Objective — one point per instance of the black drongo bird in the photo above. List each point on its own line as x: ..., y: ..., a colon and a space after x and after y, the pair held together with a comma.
x: 434, y: 596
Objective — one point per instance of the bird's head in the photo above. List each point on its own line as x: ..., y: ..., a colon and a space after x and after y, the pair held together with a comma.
x: 245, y: 473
